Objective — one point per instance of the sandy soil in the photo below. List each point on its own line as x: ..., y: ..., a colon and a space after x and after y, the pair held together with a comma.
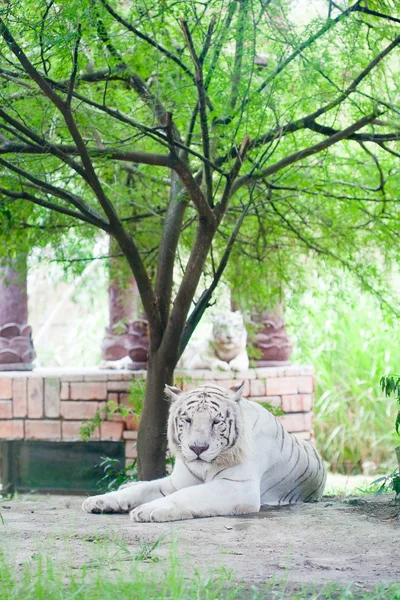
x: 335, y: 541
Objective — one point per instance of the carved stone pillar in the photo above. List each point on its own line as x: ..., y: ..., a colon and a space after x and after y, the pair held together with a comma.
x: 16, y: 347
x: 271, y: 338
x: 127, y: 331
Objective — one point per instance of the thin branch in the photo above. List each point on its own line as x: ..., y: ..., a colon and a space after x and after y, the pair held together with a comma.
x: 301, y: 154
x: 329, y: 24
x: 374, y: 13
x: 203, y: 111
x: 22, y: 195
x: 231, y: 178
x: 74, y: 68
x: 147, y: 39
x: 237, y: 63
x: 159, y: 160
x: 77, y: 201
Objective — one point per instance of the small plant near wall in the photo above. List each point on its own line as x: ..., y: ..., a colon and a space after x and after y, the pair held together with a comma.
x: 390, y: 385
x: 114, y: 476
x: 130, y: 413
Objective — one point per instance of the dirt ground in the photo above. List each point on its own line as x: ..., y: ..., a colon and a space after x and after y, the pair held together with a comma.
x: 338, y: 540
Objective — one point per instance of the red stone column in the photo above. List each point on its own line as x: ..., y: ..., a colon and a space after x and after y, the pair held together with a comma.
x: 16, y: 347
x: 271, y: 338
x: 127, y: 330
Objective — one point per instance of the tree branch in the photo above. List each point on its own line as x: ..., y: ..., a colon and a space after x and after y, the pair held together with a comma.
x: 147, y: 39
x: 22, y: 195
x: 231, y: 178
x: 123, y: 238
x: 203, y: 111
x: 374, y: 13
x: 79, y: 203
x: 296, y: 156
x: 74, y: 69
x: 205, y: 297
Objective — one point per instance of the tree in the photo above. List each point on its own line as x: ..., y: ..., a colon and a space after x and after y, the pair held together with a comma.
x: 241, y: 128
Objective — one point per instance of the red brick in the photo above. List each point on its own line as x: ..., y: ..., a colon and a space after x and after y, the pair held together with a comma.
x: 20, y: 397
x: 5, y: 409
x: 281, y: 385
x: 111, y: 431
x: 130, y: 450
x: 305, y: 385
x: 266, y: 372
x: 43, y: 430
x: 250, y: 374
x: 118, y: 386
x: 130, y: 435
x: 64, y: 392
x: 5, y: 388
x: 297, y: 403
x: 292, y: 371
x: 216, y: 375
x: 113, y: 397
x: 97, y: 377
x: 35, y: 397
x: 52, y: 397
x: 296, y: 422
x: 88, y: 390
x: 124, y: 399
x: 257, y: 387
x: 12, y: 430
x: 70, y: 431
x: 78, y: 410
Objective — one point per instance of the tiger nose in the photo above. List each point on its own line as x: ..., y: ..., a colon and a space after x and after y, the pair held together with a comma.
x: 199, y: 449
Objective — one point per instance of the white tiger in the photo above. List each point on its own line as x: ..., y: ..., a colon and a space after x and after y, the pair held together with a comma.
x: 232, y: 455
x: 225, y: 350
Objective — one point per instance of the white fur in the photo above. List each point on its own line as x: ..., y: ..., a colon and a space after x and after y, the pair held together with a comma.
x: 226, y: 350
x: 248, y: 460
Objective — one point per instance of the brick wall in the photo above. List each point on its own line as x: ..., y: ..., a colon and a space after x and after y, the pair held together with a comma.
x: 52, y: 404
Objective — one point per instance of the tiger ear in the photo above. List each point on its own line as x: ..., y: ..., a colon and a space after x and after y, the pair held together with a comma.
x: 172, y: 393
x: 237, y: 390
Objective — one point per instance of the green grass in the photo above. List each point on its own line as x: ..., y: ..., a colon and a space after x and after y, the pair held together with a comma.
x: 344, y: 334
x: 102, y: 580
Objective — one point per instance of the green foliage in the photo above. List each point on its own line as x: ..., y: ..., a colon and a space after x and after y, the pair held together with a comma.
x: 275, y: 410
x: 345, y: 335
x: 137, y: 392
x: 110, y: 409
x: 390, y: 385
x: 114, y: 476
x: 391, y: 483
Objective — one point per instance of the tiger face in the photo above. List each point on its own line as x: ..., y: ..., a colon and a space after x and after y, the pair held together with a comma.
x: 205, y: 424
x: 229, y: 330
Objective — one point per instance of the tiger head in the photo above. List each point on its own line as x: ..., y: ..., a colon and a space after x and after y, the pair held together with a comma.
x: 206, y: 425
x: 229, y: 330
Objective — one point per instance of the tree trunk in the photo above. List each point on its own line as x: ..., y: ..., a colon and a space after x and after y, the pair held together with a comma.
x: 152, y: 435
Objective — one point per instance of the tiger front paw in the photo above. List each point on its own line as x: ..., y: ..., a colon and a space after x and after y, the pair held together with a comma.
x: 158, y: 511
x: 105, y: 503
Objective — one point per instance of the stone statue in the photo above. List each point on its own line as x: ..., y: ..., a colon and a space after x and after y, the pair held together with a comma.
x: 225, y: 350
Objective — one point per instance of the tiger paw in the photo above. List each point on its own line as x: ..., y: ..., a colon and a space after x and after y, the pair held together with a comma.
x: 105, y: 503
x: 158, y: 511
